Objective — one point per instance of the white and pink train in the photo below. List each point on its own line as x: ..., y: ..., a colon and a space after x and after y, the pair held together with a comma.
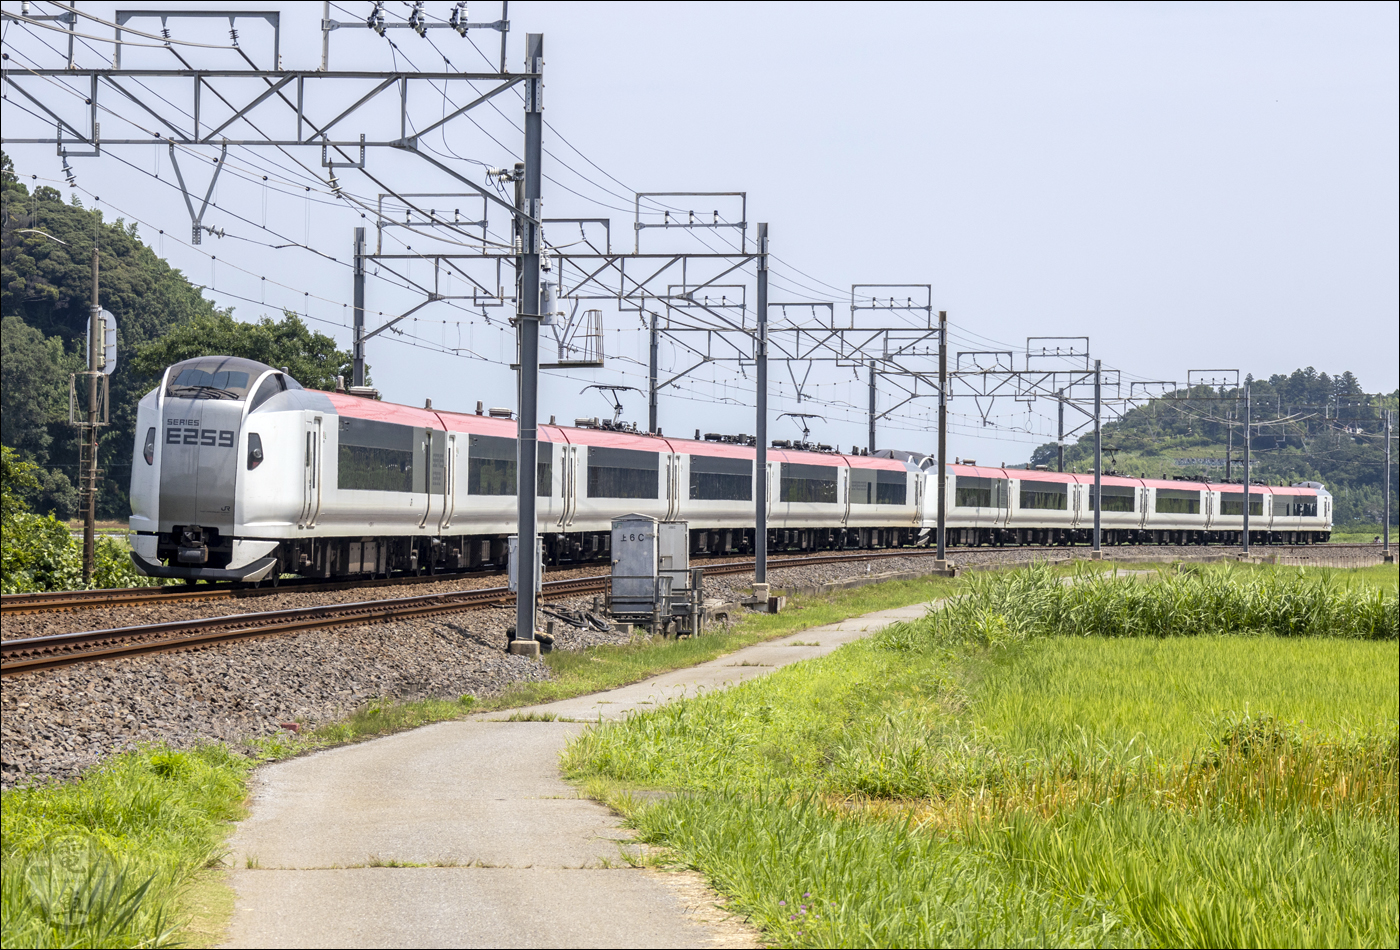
x: 240, y: 474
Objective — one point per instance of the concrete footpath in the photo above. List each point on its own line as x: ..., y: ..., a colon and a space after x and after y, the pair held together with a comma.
x: 465, y: 834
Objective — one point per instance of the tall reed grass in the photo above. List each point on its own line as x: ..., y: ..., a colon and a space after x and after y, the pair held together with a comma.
x: 1037, y: 602
x: 899, y: 792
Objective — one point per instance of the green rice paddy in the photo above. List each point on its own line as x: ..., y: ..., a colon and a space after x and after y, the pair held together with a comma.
x: 1205, y: 759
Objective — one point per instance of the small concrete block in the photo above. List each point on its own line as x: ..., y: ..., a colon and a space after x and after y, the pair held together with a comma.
x: 776, y: 604
x: 525, y: 648
x: 1096, y: 555
x: 621, y: 627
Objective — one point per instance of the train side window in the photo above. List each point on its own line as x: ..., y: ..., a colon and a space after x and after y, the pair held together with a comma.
x: 373, y: 456
x: 1176, y: 501
x: 491, y: 467
x: 878, y: 487
x: 974, y: 491
x: 623, y: 473
x: 809, y: 484
x: 1233, y: 503
x: 1044, y: 496
x: 268, y: 388
x: 1115, y: 498
x: 720, y: 479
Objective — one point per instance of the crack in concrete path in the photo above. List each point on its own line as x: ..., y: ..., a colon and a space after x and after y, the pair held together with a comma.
x: 465, y: 834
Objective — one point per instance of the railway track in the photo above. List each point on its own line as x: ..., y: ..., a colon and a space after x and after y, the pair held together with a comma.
x: 41, y: 653
x: 63, y: 600
x: 124, y: 596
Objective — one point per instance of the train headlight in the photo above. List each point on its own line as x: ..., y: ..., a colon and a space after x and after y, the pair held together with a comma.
x: 148, y: 451
x: 255, y: 452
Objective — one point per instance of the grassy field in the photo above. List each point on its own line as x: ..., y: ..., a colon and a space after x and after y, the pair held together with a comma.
x: 856, y: 748
x: 1050, y: 763
x: 108, y: 860
x: 123, y: 856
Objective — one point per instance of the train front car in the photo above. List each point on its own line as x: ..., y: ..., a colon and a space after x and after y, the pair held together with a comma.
x: 196, y: 512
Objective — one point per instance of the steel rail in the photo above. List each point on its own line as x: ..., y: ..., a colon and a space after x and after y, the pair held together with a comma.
x: 41, y: 653
x: 174, y: 594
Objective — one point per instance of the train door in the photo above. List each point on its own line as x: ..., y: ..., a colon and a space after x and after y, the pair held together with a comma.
x: 1142, y: 507
x: 434, y: 446
x: 311, y: 474
x: 1208, y: 508
x: 449, y: 482
x: 1075, y: 511
x: 568, y: 481
x: 846, y: 495
x: 920, y: 486
x: 673, y: 494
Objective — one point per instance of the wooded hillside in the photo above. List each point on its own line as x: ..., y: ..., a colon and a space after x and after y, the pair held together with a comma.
x: 45, y: 293
x: 1306, y: 425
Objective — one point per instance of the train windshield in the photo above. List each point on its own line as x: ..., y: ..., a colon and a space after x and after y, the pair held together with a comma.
x: 216, y: 378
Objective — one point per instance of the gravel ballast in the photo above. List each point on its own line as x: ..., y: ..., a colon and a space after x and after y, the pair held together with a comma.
x: 57, y: 722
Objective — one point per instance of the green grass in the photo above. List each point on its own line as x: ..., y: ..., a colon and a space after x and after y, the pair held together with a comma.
x: 1169, y: 696
x: 978, y: 781
x: 1035, y: 602
x: 106, y: 860
x: 120, y: 857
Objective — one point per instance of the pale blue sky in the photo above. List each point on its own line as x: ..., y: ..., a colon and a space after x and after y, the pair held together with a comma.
x: 1190, y: 185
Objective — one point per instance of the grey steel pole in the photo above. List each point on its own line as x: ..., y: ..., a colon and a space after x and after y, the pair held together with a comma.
x: 528, y: 327
x: 651, y: 379
x: 88, y: 478
x: 1244, y: 538
x: 871, y: 434
x: 760, y: 495
x: 1385, y: 531
x: 1229, y: 447
x: 942, y: 434
x: 1060, y: 439
x: 325, y: 41
x: 1098, y: 461
x: 505, y: 15
x: 357, y: 377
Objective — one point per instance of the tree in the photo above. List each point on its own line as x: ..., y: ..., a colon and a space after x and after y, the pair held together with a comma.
x: 310, y: 357
x: 17, y: 478
x: 34, y: 380
x: 47, y: 286
x: 1047, y: 454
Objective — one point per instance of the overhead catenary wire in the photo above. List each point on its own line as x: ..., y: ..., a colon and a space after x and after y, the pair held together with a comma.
x: 364, y: 203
